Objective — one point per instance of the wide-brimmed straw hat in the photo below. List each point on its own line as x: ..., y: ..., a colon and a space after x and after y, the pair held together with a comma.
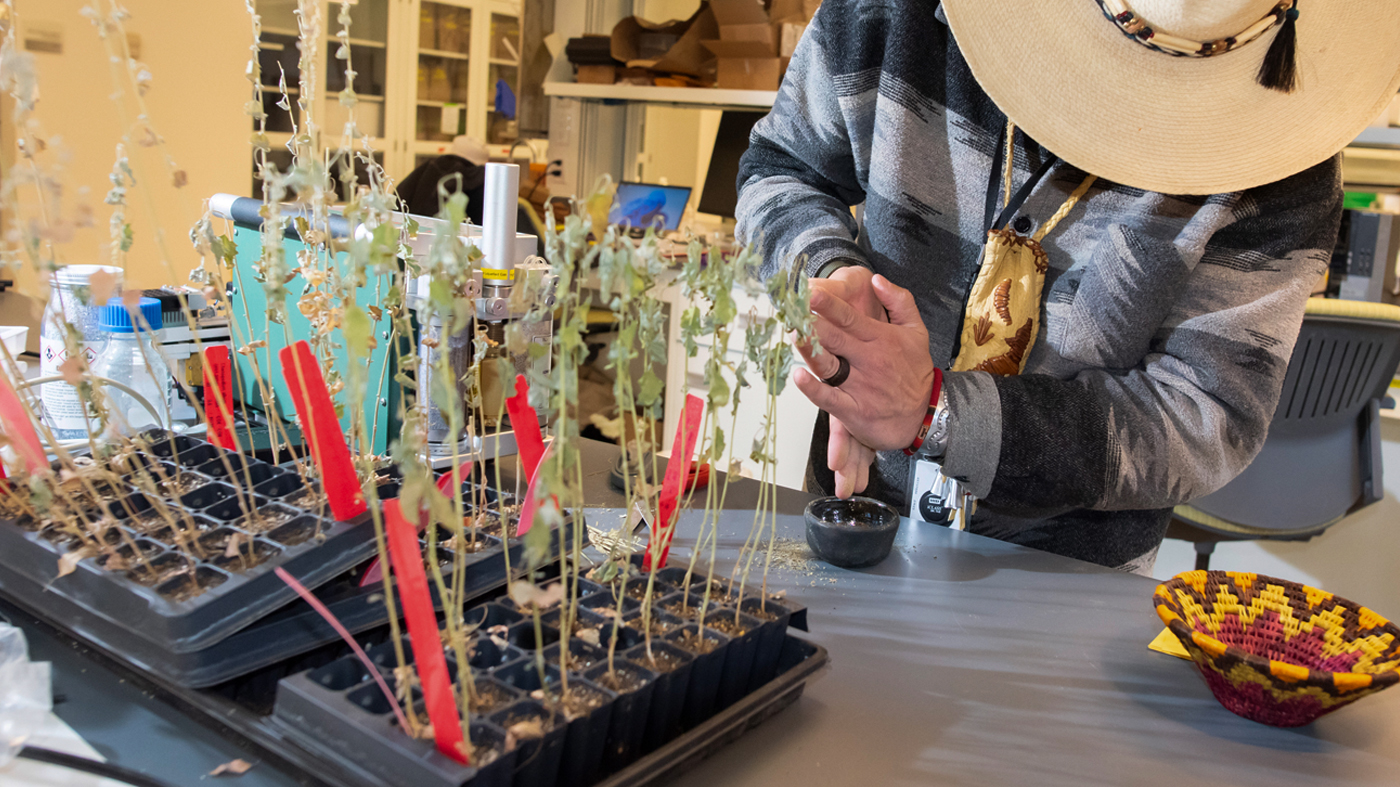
x: 1168, y: 95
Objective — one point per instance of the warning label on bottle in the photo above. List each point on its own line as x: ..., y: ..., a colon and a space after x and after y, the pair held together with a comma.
x: 64, y: 412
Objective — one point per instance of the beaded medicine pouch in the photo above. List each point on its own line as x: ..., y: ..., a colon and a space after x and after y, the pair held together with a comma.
x: 1002, y: 316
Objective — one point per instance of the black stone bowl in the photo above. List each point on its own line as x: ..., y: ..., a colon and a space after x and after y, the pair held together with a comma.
x: 851, y: 533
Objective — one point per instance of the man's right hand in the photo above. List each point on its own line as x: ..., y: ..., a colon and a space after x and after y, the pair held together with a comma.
x: 846, y: 457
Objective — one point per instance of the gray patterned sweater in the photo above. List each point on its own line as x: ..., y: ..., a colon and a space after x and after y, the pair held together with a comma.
x: 1168, y: 320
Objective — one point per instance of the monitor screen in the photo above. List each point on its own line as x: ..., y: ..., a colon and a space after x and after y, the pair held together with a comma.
x: 642, y: 205
x: 721, y: 180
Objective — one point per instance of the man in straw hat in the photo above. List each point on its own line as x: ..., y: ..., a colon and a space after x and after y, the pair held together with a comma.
x: 1089, y: 230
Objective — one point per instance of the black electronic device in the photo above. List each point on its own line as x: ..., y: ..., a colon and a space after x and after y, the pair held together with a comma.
x: 1364, y: 260
x: 721, y: 191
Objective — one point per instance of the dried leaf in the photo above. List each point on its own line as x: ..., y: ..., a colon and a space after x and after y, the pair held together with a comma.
x: 178, y: 178
x: 590, y: 636
x: 526, y: 595
x: 527, y: 730
x: 131, y: 299
x: 101, y: 285
x: 235, y: 542
x: 232, y: 768
x: 68, y: 563
x: 72, y: 371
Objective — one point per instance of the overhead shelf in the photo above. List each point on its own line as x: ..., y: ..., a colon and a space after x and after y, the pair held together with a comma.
x: 699, y: 97
x: 1378, y: 138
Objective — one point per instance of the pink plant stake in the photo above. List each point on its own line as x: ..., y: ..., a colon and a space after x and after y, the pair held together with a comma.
x: 677, y: 471
x: 340, y: 629
x: 322, y: 429
x: 20, y: 431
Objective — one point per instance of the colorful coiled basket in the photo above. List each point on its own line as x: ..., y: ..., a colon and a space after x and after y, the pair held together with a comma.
x: 1278, y: 652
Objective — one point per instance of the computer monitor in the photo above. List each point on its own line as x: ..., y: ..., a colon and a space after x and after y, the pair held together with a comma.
x: 641, y: 205
x: 721, y: 179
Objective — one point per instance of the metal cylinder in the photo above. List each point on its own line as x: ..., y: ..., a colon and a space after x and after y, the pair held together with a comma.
x: 501, y: 196
x: 458, y: 349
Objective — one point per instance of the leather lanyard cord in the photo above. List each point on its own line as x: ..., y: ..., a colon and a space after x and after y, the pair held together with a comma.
x: 993, y: 183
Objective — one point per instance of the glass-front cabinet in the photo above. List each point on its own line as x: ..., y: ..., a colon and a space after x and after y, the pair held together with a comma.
x: 467, y: 72
x: 425, y: 72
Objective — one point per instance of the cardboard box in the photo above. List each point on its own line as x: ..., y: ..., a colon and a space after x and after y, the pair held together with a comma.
x: 749, y: 73
x: 686, y: 56
x: 788, y: 36
x: 754, y: 45
x: 596, y: 75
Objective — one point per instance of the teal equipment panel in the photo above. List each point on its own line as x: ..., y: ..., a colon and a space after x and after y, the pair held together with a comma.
x: 249, y: 307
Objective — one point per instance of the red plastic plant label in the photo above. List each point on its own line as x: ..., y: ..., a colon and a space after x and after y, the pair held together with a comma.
x: 677, y: 471
x: 322, y: 431
x: 407, y: 559
x: 20, y: 431
x: 526, y: 423
x: 218, y: 396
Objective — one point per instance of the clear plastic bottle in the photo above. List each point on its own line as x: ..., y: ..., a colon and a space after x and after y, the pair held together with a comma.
x: 64, y: 412
x: 131, y: 357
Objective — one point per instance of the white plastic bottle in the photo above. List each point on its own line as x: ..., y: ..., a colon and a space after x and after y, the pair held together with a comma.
x: 69, y: 302
x: 131, y: 357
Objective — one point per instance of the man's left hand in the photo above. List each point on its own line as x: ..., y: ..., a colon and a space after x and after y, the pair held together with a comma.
x: 883, y: 401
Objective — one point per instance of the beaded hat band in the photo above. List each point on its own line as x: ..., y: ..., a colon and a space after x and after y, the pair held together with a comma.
x: 1138, y: 29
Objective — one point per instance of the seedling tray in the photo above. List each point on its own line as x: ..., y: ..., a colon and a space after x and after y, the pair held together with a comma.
x: 246, y: 621
x: 339, y: 713
x: 172, y: 599
x: 242, y: 710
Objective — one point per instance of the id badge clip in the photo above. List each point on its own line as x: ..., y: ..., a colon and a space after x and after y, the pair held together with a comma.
x: 937, y: 499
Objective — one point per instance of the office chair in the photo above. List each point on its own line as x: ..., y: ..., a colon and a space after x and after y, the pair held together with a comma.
x: 1322, y: 458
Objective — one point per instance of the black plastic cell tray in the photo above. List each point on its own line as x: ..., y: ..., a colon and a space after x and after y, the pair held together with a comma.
x: 242, y: 710
x: 317, y: 749
x: 29, y: 567
x: 338, y: 711
x: 215, y: 635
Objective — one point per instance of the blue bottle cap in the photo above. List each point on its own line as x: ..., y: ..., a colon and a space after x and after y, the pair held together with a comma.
x: 116, y: 319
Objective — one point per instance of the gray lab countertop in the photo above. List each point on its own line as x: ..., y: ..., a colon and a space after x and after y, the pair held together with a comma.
x: 959, y: 660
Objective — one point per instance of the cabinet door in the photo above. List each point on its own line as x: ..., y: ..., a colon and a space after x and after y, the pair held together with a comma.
x: 499, y: 103
x: 443, y: 40
x: 369, y: 56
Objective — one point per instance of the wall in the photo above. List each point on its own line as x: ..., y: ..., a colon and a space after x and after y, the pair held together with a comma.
x: 196, y: 52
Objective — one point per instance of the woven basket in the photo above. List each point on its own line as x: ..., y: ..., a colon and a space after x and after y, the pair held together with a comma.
x: 1278, y: 652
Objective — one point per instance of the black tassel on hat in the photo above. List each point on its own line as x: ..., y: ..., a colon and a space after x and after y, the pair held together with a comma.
x: 1279, y: 71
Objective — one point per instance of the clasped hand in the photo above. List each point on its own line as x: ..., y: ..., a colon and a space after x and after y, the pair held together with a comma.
x: 875, y: 325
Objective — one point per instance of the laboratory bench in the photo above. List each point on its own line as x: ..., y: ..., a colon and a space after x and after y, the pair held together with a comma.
x: 958, y: 660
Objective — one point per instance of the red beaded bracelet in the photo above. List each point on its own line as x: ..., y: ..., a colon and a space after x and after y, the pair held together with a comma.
x: 928, y: 417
